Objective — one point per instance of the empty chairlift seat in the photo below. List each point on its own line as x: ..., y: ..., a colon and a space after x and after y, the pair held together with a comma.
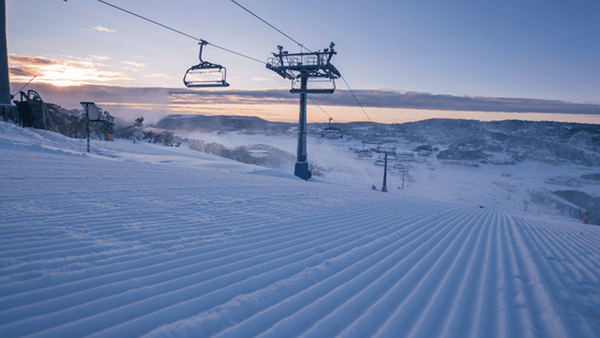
x: 205, y: 74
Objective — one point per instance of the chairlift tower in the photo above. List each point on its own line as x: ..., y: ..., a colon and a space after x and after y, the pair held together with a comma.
x: 404, y: 173
x: 386, y: 151
x: 304, y: 68
x: 4, y: 78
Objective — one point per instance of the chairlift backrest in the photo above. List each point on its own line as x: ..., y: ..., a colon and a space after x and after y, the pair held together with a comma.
x: 32, y: 95
x: 332, y: 133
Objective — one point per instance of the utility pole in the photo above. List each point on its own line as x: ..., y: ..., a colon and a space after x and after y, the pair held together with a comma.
x: 299, y: 68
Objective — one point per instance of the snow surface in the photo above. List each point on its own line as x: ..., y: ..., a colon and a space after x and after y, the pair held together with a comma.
x: 135, y: 240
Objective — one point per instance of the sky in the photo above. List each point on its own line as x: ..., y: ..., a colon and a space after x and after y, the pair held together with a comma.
x: 460, y: 59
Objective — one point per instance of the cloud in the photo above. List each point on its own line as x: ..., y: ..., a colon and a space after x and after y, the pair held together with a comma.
x: 134, y: 64
x: 101, y: 29
x: 160, y: 76
x: 100, y: 57
x: 61, y: 72
x: 282, y: 105
x: 21, y: 72
x: 233, y: 96
x: 30, y: 60
x: 391, y: 99
x: 72, y: 95
x: 417, y: 100
x: 258, y: 79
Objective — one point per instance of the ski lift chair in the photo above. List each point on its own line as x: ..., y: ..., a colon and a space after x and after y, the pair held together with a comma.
x: 319, y: 85
x: 205, y: 74
x: 331, y: 132
x: 385, y: 149
x: 392, y: 157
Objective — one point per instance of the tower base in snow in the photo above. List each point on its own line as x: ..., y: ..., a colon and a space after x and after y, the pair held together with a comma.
x: 301, y: 170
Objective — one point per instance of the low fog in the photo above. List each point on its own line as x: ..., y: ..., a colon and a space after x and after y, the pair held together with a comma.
x: 511, y: 165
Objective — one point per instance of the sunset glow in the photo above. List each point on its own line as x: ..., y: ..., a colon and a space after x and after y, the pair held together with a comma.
x: 60, y: 72
x: 415, y: 61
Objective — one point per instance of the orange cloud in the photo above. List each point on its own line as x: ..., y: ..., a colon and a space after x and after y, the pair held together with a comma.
x: 19, y: 72
x: 31, y: 60
x: 60, y: 72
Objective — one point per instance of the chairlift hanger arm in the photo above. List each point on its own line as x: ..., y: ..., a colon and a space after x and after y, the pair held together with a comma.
x: 202, y: 43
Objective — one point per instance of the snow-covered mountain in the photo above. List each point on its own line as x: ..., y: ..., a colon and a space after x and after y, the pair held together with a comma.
x: 147, y: 240
x: 547, y: 142
x: 547, y: 168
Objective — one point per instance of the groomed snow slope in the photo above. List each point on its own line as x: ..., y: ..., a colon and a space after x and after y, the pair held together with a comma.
x: 118, y: 244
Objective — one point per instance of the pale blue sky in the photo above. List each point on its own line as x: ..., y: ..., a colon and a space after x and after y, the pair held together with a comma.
x: 525, y: 49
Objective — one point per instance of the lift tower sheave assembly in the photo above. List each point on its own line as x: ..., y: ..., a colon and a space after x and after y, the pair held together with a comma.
x: 302, y: 69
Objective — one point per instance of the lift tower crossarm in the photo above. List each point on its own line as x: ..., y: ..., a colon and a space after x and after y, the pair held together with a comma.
x: 293, y: 66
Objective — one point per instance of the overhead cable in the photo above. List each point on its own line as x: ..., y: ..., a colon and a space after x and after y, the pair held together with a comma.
x: 302, y: 46
x: 180, y: 32
x: 352, y: 92
x: 229, y: 50
x: 289, y: 37
x: 27, y: 84
x: 275, y: 28
x: 313, y: 101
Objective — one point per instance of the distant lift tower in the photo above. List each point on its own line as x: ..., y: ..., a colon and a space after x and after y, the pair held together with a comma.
x: 386, y: 151
x: 302, y: 69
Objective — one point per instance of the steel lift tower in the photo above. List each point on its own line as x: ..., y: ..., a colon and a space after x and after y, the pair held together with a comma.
x: 302, y: 69
x: 7, y: 110
x: 386, y: 151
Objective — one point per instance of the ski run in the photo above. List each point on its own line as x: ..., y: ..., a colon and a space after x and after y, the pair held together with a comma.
x: 146, y: 240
